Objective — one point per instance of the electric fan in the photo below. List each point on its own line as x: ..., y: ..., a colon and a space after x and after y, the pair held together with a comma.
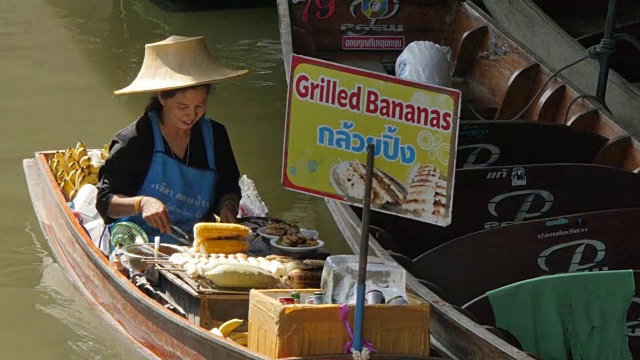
x: 126, y: 233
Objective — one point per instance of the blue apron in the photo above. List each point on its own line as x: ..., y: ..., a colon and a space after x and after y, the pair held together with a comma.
x: 185, y: 191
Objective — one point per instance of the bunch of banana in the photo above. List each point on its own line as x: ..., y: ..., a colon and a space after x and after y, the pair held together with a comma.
x: 74, y: 168
x: 226, y: 330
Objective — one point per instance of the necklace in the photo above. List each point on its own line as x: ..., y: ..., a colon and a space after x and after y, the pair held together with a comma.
x: 186, y: 161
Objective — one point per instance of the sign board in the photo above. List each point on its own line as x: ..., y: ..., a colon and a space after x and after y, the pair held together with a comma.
x: 375, y: 26
x: 334, y: 111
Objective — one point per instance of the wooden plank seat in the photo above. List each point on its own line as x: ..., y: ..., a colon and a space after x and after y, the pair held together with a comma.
x: 483, y: 313
x: 383, y: 238
x: 469, y: 266
x: 499, y: 143
x: 404, y: 261
x: 467, y: 49
x: 486, y: 198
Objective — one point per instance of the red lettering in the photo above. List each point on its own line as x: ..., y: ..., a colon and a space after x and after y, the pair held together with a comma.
x: 434, y: 120
x: 371, y: 103
x: 423, y: 116
x: 397, y: 109
x: 315, y: 87
x: 355, y: 98
x: 385, y: 107
x: 446, y: 121
x: 302, y: 86
x: 342, y: 98
x: 334, y: 90
x: 410, y: 113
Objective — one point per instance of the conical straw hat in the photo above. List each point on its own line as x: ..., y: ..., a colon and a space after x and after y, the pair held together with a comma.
x: 177, y: 62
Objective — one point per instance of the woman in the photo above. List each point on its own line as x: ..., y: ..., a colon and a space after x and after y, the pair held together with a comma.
x: 173, y: 165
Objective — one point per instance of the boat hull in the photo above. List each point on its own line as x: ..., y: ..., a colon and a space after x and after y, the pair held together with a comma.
x: 155, y: 331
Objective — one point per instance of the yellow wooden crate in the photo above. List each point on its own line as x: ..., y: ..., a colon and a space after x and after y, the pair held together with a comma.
x: 278, y: 330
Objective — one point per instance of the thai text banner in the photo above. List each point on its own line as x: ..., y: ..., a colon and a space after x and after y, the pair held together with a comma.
x: 334, y: 111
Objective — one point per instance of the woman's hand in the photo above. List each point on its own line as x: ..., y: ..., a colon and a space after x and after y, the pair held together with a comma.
x: 155, y: 214
x: 229, y: 212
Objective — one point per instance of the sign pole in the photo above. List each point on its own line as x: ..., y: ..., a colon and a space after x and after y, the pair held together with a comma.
x: 364, y: 251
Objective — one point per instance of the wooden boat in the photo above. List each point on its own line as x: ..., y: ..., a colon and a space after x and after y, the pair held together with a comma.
x: 563, y: 32
x: 500, y: 80
x: 159, y: 324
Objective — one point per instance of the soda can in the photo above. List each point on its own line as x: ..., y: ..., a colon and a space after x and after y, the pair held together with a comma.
x: 374, y: 297
x: 316, y: 299
x: 397, y: 300
x: 286, y: 300
x: 296, y: 296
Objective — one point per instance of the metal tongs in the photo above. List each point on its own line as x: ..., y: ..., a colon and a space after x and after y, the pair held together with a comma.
x: 181, y: 236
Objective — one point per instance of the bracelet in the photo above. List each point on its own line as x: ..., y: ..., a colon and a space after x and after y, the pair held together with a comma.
x: 136, y: 205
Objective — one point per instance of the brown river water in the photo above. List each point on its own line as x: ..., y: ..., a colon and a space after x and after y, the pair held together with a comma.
x: 61, y: 60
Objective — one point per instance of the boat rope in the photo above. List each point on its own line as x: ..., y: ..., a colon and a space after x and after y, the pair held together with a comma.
x: 555, y: 73
x: 623, y: 36
x: 602, y: 107
x: 606, y: 46
x: 360, y: 355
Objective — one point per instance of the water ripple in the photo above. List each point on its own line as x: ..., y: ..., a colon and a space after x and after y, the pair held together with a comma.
x: 261, y: 57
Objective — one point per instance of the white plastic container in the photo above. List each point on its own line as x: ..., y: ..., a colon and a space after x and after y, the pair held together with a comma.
x: 340, y: 278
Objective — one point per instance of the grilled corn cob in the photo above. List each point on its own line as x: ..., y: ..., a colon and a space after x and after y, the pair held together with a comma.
x: 214, y: 231
x: 224, y: 246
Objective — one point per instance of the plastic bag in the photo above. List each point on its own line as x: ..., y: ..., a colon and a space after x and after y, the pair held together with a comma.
x: 85, y: 203
x: 425, y: 62
x: 251, y: 204
x: 340, y: 278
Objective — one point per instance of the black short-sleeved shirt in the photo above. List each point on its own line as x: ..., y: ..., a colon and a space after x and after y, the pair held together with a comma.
x: 130, y: 155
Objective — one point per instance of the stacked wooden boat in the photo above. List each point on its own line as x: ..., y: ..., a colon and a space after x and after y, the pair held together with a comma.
x: 546, y: 178
x: 561, y: 32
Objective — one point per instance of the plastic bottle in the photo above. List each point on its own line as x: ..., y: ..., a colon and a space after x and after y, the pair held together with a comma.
x: 114, y: 259
x: 296, y: 296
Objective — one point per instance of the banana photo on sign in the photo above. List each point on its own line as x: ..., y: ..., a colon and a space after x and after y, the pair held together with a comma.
x: 334, y: 111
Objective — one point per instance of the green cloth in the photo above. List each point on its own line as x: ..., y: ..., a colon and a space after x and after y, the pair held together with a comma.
x: 579, y: 316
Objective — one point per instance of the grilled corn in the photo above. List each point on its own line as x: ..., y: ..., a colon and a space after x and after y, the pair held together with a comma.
x: 224, y: 246
x: 214, y: 231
